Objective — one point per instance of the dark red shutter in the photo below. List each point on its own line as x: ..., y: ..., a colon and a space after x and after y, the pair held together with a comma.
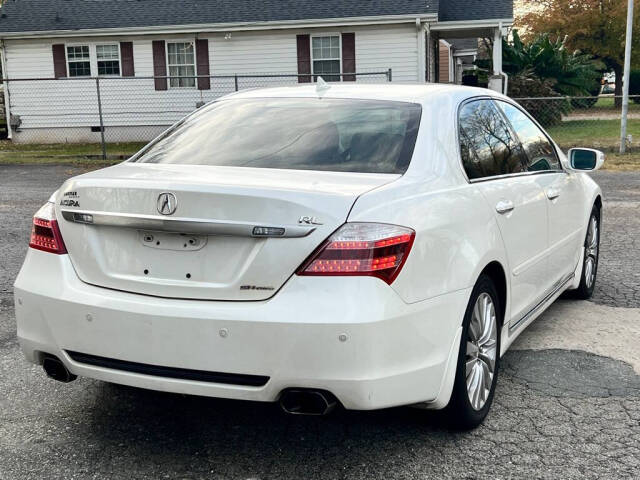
x: 349, y: 56
x: 59, y: 60
x: 126, y: 59
x: 202, y: 64
x: 304, y: 58
x: 159, y: 64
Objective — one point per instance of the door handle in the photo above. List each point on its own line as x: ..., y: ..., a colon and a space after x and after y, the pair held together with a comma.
x: 553, y: 193
x: 504, y: 206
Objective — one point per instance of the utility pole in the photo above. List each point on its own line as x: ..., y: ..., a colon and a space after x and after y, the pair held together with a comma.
x: 627, y: 70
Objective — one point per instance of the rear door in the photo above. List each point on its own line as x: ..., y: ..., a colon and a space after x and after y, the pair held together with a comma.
x: 562, y: 190
x: 495, y: 163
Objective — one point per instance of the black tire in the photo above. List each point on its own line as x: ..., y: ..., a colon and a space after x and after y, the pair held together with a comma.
x: 461, y: 413
x: 586, y: 287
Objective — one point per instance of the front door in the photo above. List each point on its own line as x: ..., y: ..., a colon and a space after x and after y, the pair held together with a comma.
x: 562, y: 192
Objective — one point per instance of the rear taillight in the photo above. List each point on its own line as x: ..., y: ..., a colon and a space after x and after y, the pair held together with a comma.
x: 370, y: 249
x: 45, y: 234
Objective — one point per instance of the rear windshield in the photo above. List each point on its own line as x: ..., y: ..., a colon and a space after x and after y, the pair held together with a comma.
x: 342, y: 135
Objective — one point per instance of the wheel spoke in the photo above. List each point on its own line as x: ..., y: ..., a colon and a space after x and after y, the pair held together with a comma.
x: 471, y: 378
x: 471, y: 362
x: 487, y: 376
x: 475, y: 328
x: 478, y: 387
x: 488, y: 360
x: 588, y: 271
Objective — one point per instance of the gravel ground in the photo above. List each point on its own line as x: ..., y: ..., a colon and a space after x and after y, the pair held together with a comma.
x: 559, y: 413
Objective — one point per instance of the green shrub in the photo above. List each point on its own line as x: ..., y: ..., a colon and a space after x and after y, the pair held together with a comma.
x: 583, y: 103
x: 547, y: 107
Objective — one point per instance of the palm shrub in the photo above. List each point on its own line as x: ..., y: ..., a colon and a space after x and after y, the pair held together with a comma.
x: 545, y: 67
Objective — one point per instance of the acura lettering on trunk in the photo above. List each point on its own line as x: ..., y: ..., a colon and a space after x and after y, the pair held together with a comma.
x: 359, y: 246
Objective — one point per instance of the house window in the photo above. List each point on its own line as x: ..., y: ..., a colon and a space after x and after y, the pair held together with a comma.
x: 181, y: 63
x: 79, y: 61
x: 108, y: 59
x: 325, y: 57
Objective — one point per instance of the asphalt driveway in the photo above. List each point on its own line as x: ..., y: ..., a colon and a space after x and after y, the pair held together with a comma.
x: 567, y: 405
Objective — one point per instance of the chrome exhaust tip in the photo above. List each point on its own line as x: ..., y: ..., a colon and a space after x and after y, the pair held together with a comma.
x: 307, y: 402
x: 55, y: 369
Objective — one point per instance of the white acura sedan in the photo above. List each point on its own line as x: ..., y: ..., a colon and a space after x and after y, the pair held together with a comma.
x: 369, y: 246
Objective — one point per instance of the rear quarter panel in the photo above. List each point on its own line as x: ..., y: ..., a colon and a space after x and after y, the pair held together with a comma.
x: 456, y: 235
x: 456, y: 232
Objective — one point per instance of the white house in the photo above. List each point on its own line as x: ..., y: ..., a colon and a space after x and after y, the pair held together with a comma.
x: 153, y: 61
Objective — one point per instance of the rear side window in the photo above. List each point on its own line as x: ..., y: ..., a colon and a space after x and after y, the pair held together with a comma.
x: 487, y: 144
x: 343, y: 135
x: 540, y: 152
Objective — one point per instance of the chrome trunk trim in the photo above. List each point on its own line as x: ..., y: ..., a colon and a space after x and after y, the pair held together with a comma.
x: 185, y: 225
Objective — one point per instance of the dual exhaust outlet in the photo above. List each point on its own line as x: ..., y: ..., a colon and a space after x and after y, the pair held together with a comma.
x: 294, y: 401
x: 307, y: 402
x: 54, y: 368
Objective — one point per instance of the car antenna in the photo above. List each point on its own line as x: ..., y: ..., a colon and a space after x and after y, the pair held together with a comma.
x: 321, y: 86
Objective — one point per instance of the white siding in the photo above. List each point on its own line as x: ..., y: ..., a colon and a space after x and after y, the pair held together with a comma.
x: 49, y: 108
x: 393, y: 46
x: 253, y: 52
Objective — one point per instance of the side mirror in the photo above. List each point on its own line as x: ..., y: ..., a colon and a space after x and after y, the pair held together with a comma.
x: 585, y: 159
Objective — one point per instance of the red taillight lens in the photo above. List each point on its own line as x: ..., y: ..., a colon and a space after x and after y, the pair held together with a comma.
x: 371, y: 249
x: 45, y: 234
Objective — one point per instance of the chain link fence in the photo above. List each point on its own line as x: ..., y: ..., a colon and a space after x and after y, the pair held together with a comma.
x: 592, y: 122
x: 112, y: 117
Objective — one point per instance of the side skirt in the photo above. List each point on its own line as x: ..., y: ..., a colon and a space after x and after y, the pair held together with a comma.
x: 543, y: 304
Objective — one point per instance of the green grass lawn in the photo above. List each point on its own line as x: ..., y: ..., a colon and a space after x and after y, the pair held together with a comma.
x: 604, y: 134
x: 66, y: 153
x: 607, y: 103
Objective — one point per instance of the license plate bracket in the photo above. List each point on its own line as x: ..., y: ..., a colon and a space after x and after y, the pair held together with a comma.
x: 183, y: 242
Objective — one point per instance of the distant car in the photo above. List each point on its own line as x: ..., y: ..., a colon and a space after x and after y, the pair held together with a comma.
x: 370, y: 246
x: 609, y: 83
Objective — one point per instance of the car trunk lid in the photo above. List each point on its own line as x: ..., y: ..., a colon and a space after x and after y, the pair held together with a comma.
x: 225, y: 233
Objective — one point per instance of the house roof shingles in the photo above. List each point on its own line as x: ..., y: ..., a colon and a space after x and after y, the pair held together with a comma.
x: 460, y: 10
x: 52, y: 15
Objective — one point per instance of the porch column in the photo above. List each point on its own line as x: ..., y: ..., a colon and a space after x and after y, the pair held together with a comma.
x: 422, y: 51
x: 496, y: 80
x: 432, y: 53
x: 497, y: 51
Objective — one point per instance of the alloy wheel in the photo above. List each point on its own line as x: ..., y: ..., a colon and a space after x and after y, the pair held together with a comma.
x: 591, y: 252
x: 481, y: 351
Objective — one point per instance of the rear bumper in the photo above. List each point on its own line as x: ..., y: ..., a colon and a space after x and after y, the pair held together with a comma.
x: 351, y: 336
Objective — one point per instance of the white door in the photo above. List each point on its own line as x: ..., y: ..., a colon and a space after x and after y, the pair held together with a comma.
x: 562, y: 191
x: 495, y: 162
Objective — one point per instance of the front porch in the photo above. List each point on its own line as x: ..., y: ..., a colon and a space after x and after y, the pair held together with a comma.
x: 452, y: 47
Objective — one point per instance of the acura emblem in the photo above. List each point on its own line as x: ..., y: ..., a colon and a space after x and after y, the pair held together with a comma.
x: 167, y: 203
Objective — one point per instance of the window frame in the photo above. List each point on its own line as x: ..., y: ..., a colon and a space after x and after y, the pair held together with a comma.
x: 505, y: 175
x: 93, y: 58
x: 533, y: 120
x: 192, y: 41
x: 95, y: 50
x: 66, y: 54
x: 322, y: 35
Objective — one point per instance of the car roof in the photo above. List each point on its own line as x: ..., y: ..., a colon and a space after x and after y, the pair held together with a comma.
x: 415, y: 93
